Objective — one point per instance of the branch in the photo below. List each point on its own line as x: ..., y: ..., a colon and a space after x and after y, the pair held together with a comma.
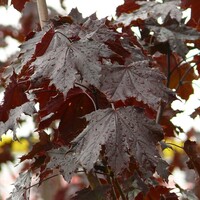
x: 161, y: 106
x: 184, y: 76
x: 43, y: 12
x: 93, y: 179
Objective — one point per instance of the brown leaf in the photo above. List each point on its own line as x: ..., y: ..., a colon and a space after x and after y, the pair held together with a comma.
x: 178, y: 70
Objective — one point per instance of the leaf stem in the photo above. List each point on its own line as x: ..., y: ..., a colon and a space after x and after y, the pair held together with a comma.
x: 169, y: 143
x: 93, y: 179
x: 42, y: 181
x: 159, y: 113
x: 161, y: 106
x: 109, y: 174
x: 168, y: 66
x: 43, y: 12
x: 119, y: 189
x: 184, y: 75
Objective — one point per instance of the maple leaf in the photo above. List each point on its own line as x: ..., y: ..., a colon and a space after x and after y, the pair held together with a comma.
x: 152, y: 10
x: 192, y: 149
x: 14, y: 114
x: 174, y: 34
x: 124, y: 132
x: 22, y: 185
x: 97, y: 30
x: 68, y: 62
x: 65, y: 160
x: 14, y: 96
x: 35, y: 46
x: 134, y: 80
x: 76, y: 16
x: 19, y: 5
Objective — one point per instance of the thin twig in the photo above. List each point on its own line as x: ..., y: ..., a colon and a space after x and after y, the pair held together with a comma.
x: 184, y: 76
x: 93, y: 179
x: 42, y: 181
x: 168, y: 66
x: 173, y: 69
x: 161, y: 106
x: 160, y: 112
x: 109, y: 174
x: 169, y: 143
x: 43, y: 12
x: 119, y: 189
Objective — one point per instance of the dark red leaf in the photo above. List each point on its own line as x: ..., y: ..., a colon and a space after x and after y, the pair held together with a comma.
x: 128, y: 7
x: 5, y: 153
x: 158, y: 192
x: 195, y: 15
x: 19, y: 4
x: 39, y: 148
x: 71, y: 123
x: 14, y: 96
x: 120, y: 132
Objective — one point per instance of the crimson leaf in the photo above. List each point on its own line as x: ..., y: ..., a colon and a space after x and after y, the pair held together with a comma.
x: 14, y: 96
x: 124, y: 132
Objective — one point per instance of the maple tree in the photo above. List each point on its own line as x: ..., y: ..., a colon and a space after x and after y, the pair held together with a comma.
x: 105, y: 93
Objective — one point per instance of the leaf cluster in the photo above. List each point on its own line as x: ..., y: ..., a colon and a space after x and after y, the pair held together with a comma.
x: 105, y: 93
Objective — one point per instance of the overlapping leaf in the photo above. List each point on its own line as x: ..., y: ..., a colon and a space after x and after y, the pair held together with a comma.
x: 14, y: 114
x: 175, y: 35
x: 124, y: 132
x: 152, y: 10
x: 135, y: 80
x: 64, y: 160
x: 61, y: 65
x: 66, y: 62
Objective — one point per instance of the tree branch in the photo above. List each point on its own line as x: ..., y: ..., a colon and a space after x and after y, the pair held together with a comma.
x: 43, y: 12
